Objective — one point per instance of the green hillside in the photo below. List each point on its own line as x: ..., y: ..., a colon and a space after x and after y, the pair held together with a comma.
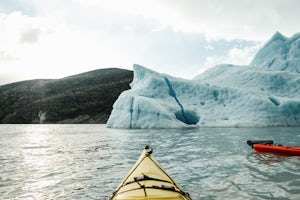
x: 83, y: 98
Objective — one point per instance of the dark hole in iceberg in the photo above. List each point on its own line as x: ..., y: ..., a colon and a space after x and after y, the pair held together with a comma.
x: 188, y: 117
x: 275, y: 101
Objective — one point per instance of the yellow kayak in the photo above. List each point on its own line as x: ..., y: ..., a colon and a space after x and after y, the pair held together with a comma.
x: 148, y: 180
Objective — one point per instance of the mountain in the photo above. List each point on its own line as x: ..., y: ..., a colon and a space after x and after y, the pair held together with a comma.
x: 82, y: 98
x: 279, y: 53
x: 265, y: 93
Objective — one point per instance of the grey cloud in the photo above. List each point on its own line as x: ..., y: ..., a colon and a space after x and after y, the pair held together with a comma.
x: 6, y: 56
x: 30, y: 35
x: 244, y: 19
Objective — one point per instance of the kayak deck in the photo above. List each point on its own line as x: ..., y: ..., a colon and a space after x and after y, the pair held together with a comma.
x: 148, y: 180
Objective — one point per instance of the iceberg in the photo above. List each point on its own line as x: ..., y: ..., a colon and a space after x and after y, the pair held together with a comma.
x: 152, y: 102
x: 280, y: 53
x: 261, y: 94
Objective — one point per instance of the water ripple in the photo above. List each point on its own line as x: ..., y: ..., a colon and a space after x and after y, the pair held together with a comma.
x: 90, y: 161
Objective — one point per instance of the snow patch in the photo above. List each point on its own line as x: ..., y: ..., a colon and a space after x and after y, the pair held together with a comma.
x: 41, y: 116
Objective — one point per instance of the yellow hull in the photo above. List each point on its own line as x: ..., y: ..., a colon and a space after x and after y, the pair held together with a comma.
x: 147, y: 180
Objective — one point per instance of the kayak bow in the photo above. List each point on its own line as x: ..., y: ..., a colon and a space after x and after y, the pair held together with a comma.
x: 148, y: 180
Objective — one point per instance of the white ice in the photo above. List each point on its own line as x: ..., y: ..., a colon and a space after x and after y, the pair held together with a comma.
x: 225, y: 95
x: 280, y: 53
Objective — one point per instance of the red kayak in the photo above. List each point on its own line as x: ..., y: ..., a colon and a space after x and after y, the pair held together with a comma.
x: 292, y: 151
x: 269, y: 147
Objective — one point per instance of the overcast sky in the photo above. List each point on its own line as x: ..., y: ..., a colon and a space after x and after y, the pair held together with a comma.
x: 57, y: 38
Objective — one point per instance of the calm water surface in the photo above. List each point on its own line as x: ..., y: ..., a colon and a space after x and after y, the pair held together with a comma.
x: 90, y: 161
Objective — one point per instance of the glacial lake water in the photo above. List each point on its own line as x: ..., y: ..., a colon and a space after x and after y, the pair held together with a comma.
x: 90, y: 161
